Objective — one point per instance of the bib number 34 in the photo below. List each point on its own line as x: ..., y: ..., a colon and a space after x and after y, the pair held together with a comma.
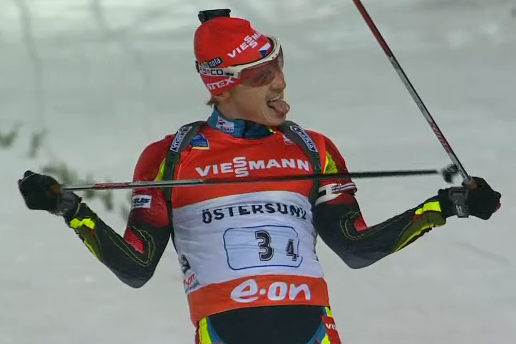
x: 251, y: 247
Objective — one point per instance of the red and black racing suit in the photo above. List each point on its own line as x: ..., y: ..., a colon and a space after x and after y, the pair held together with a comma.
x: 337, y: 217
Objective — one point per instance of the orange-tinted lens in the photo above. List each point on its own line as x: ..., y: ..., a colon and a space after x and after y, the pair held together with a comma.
x: 262, y: 74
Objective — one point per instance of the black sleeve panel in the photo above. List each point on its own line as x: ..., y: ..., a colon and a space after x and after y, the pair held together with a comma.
x: 340, y: 224
x: 343, y: 229
x: 133, y: 258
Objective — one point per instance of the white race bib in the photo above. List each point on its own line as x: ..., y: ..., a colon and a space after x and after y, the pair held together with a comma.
x: 262, y: 246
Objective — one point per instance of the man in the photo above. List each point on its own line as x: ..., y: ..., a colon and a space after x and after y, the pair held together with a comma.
x: 247, y: 252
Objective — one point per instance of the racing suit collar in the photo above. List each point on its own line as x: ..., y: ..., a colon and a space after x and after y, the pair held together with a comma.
x: 239, y: 128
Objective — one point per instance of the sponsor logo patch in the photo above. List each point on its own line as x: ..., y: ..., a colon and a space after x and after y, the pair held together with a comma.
x: 211, y: 71
x: 225, y: 126
x: 251, y: 291
x: 217, y: 214
x: 217, y: 61
x: 141, y: 201
x: 221, y: 83
x: 249, y: 42
x: 190, y: 281
x: 205, y: 67
x: 331, y: 330
x: 240, y: 166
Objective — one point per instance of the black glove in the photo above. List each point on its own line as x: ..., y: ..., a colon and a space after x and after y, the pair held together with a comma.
x: 43, y: 192
x: 480, y: 202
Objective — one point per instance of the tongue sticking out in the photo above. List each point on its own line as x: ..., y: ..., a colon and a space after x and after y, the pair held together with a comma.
x: 280, y: 106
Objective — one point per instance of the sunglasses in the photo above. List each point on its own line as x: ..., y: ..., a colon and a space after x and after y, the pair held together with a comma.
x: 254, y: 74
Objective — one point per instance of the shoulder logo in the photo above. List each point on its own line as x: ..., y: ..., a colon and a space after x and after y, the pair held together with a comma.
x: 179, y: 137
x: 199, y: 141
x: 305, y: 137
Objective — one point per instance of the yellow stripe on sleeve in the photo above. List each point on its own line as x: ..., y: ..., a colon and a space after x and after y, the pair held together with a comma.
x: 87, y: 238
x: 328, y: 312
x: 330, y: 166
x: 161, y: 171
x: 326, y: 340
x: 433, y: 219
x: 204, y: 334
x: 87, y: 222
x: 429, y: 206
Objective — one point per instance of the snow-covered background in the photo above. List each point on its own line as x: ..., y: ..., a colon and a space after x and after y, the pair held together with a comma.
x: 106, y: 77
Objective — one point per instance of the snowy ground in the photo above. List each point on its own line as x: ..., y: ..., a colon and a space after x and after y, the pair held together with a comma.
x: 106, y: 77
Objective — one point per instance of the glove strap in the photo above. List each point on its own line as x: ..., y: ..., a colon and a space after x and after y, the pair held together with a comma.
x: 458, y: 196
x: 68, y: 203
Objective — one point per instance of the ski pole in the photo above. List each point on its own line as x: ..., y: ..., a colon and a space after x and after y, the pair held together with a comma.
x: 232, y: 180
x: 467, y: 180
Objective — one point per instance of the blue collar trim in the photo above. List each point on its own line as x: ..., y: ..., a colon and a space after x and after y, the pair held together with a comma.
x: 237, y: 127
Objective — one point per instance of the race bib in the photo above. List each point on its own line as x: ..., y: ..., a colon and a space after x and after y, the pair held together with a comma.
x: 262, y: 246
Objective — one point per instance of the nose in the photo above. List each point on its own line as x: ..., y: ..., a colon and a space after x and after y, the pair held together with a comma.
x: 279, y: 83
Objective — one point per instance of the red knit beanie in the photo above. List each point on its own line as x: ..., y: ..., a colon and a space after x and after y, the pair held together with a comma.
x: 226, y: 41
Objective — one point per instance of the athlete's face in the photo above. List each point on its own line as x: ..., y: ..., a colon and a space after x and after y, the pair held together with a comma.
x: 260, y: 104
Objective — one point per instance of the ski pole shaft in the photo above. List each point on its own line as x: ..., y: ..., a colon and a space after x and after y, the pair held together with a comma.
x: 419, y: 102
x: 223, y: 181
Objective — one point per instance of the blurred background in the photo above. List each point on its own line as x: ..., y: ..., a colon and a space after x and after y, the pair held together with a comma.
x: 85, y: 85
